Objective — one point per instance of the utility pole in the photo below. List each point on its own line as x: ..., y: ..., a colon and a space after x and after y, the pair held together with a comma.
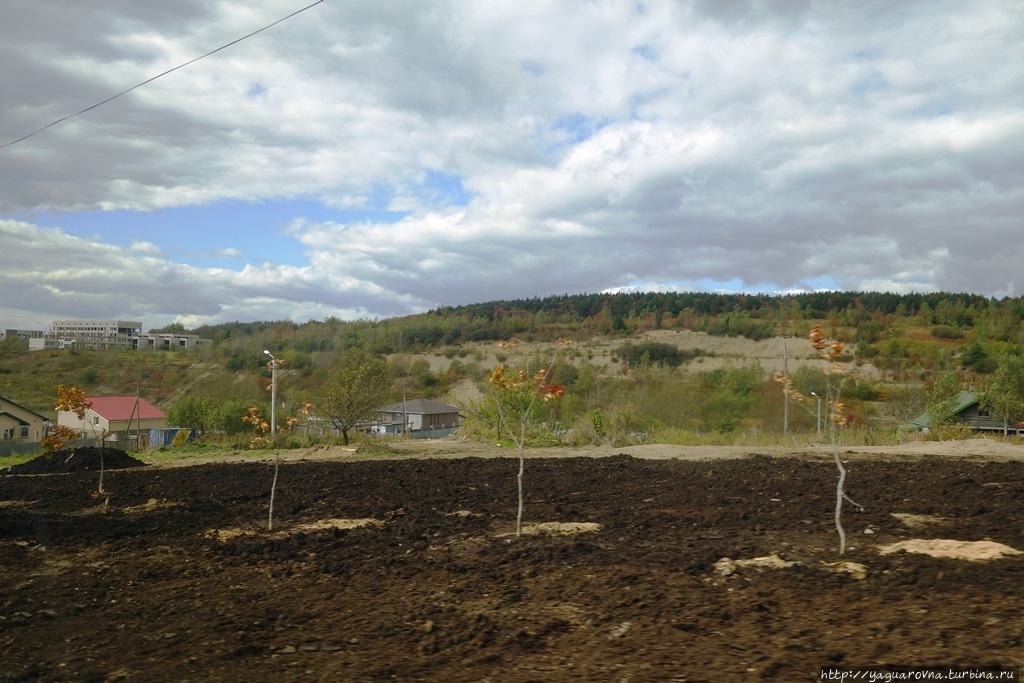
x: 819, y: 411
x: 785, y: 395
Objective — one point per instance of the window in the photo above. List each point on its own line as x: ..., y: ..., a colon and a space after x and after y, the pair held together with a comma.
x: 24, y: 432
x: 96, y: 420
x: 8, y: 434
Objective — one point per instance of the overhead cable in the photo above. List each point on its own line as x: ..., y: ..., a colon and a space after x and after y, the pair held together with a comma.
x: 160, y: 75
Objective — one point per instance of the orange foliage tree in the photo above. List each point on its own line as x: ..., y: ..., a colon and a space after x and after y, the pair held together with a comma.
x: 262, y: 428
x: 838, y: 415
x: 69, y: 400
x: 516, y: 398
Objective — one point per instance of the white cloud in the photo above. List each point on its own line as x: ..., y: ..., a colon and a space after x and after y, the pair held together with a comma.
x: 598, y: 146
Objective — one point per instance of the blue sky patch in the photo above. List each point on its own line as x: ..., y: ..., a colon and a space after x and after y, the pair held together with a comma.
x: 578, y: 127
x: 646, y: 52
x: 441, y: 189
x: 227, y: 234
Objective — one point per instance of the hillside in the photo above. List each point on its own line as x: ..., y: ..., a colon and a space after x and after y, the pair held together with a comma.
x: 667, y: 363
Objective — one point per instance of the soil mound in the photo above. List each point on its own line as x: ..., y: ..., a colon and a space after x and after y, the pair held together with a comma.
x: 76, y: 460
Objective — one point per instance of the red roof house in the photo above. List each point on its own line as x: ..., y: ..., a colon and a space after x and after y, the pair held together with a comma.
x: 115, y: 415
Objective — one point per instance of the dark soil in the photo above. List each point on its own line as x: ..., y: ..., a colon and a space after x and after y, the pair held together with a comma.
x: 434, y: 592
x: 76, y: 460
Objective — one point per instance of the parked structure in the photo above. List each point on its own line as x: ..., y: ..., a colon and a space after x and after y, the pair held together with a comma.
x: 122, y: 418
x: 22, y: 429
x: 417, y: 415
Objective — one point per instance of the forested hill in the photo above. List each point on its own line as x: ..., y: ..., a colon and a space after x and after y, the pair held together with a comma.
x: 852, y: 316
x: 907, y: 337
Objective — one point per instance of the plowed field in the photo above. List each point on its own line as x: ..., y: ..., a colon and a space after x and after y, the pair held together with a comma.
x: 409, y: 570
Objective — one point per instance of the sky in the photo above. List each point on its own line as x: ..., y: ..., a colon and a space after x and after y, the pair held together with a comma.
x: 366, y: 159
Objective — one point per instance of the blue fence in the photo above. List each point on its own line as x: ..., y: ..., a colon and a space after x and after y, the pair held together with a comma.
x: 158, y: 438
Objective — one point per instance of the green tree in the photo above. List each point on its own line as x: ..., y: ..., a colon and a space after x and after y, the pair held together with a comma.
x: 1004, y: 391
x: 194, y: 412
x: 353, y: 393
x: 975, y: 358
x: 943, y: 400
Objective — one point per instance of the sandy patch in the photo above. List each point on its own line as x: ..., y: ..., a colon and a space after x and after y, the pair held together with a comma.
x: 854, y: 569
x: 559, y: 528
x: 973, y: 551
x: 224, y: 535
x: 332, y: 524
x: 149, y: 506
x: 7, y: 504
x: 728, y: 567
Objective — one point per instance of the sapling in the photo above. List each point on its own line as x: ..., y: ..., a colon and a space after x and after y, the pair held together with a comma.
x: 517, y: 397
x: 73, y: 400
x: 837, y: 416
x: 262, y: 427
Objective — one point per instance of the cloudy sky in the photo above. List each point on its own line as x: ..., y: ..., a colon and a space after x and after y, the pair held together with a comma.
x: 369, y: 158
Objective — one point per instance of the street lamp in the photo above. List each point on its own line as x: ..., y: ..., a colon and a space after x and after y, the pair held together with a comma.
x: 273, y: 393
x: 819, y: 411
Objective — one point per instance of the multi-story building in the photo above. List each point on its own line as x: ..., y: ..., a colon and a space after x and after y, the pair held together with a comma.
x: 168, y: 341
x: 109, y: 334
x: 20, y: 334
x: 106, y: 332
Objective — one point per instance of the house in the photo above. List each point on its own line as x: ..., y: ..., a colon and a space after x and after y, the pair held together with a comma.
x: 968, y: 412
x: 424, y: 417
x: 121, y: 417
x: 22, y: 429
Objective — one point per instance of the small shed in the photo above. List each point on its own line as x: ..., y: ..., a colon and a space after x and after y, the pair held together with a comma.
x: 416, y: 415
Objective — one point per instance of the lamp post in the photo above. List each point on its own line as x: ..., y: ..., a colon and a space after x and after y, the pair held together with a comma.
x: 819, y: 411
x: 273, y: 394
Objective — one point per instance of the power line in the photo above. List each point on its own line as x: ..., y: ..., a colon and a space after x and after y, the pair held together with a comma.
x: 150, y: 80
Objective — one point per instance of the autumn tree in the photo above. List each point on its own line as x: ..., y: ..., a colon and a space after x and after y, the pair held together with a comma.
x: 516, y: 398
x: 73, y: 400
x: 837, y: 416
x: 261, y: 427
x: 352, y: 394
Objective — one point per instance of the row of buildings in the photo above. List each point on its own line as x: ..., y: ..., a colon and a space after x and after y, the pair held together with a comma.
x: 132, y: 422
x: 100, y: 335
x: 120, y: 417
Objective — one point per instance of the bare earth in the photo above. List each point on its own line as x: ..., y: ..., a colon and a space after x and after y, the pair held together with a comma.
x: 647, y: 563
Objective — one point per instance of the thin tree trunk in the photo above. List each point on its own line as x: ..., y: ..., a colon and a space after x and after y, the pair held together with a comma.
x: 273, y: 492
x: 839, y: 503
x: 519, y: 479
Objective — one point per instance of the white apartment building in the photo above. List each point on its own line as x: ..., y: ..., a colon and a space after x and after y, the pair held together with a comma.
x: 109, y: 334
x: 95, y: 329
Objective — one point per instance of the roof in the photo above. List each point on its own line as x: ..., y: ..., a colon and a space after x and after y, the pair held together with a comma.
x: 13, y: 417
x: 964, y: 400
x: 7, y: 400
x: 117, y: 408
x: 419, y: 406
